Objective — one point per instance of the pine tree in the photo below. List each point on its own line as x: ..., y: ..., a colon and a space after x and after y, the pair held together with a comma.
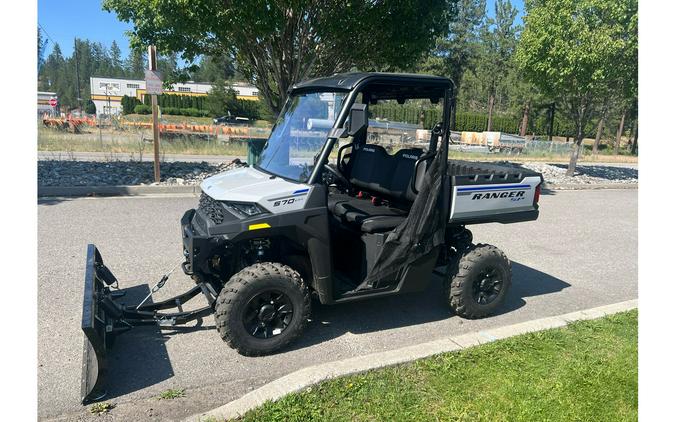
x: 116, y: 64
x: 136, y: 63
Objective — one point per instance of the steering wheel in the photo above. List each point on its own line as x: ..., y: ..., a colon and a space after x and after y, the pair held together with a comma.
x: 336, y: 174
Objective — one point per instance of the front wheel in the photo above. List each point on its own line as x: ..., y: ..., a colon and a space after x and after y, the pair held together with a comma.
x: 262, y: 309
x: 481, y: 281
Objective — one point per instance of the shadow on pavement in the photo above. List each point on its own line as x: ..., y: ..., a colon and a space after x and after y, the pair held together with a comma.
x: 329, y: 322
x: 138, y: 358
x: 611, y: 173
x: 52, y: 200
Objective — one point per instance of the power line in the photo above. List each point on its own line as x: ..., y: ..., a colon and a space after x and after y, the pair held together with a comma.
x: 46, y: 33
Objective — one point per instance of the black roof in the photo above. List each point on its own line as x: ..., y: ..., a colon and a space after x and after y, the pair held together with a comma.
x: 347, y: 81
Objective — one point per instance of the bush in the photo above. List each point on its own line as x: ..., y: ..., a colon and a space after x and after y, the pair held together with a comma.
x: 222, y: 99
x: 128, y: 104
x: 169, y: 110
x: 192, y: 112
x: 90, y: 108
x: 469, y: 121
x: 142, y: 109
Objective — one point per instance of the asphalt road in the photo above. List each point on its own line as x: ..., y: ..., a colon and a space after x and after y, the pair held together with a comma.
x: 581, y: 253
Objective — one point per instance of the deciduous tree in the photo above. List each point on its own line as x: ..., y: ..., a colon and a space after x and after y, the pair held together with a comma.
x: 278, y: 43
x: 577, y: 51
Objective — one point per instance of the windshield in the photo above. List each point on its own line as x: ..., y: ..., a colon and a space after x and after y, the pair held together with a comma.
x: 299, y: 134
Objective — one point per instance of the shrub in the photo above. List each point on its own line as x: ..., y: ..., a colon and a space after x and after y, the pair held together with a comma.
x: 142, y: 109
x: 128, y: 104
x: 90, y: 108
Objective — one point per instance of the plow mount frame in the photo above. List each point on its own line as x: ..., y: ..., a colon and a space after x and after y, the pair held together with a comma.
x: 103, y: 319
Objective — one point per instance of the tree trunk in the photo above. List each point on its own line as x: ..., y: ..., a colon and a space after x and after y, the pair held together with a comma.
x: 619, y: 132
x: 598, y: 133
x: 551, y: 120
x: 524, y: 122
x: 453, y: 113
x: 634, y: 145
x: 491, y: 106
x: 581, y: 117
x: 576, y: 150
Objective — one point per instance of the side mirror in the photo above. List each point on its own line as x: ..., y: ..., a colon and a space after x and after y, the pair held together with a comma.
x: 358, y: 119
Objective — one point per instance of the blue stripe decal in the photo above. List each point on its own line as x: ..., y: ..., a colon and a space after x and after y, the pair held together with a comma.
x: 301, y: 191
x: 507, y: 187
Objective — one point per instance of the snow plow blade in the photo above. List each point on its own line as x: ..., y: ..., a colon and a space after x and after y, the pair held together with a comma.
x: 103, y: 318
x: 94, y: 322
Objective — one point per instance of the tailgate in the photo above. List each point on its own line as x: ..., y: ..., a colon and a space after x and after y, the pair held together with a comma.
x: 489, y: 199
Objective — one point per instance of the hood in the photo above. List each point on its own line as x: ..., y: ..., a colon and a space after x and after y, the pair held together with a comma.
x: 246, y: 184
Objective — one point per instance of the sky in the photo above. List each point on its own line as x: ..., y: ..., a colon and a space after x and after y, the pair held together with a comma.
x: 63, y: 20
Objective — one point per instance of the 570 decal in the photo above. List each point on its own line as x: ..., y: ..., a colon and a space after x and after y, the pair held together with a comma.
x: 284, y: 202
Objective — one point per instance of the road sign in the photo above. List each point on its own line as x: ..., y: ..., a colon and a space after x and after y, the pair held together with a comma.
x: 53, y: 102
x: 153, y: 82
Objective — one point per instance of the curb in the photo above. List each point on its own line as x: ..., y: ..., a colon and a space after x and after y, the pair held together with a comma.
x: 303, y: 378
x: 584, y: 186
x: 80, y: 191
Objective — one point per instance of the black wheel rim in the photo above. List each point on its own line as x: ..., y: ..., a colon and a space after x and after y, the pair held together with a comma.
x: 487, y: 286
x: 268, y: 314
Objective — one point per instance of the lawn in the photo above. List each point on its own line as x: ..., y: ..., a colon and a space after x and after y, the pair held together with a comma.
x: 586, y: 371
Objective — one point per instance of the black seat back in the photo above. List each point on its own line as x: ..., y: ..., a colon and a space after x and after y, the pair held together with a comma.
x: 372, y: 169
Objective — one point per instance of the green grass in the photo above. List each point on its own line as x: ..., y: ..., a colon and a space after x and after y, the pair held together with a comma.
x: 586, y: 371
x: 130, y: 142
x: 100, y: 408
x: 169, y: 118
x: 172, y: 394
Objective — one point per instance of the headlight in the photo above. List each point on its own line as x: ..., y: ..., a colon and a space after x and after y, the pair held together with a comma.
x: 244, y: 209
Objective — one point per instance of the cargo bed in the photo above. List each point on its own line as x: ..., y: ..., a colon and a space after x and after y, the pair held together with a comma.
x: 489, y: 193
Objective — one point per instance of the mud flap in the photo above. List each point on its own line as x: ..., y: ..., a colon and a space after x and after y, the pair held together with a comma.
x: 94, y: 322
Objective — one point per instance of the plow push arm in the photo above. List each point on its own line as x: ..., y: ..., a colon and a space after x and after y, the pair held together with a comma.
x: 103, y: 318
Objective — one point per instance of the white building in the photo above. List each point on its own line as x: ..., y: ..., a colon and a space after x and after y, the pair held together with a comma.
x: 107, y: 93
x: 43, y: 106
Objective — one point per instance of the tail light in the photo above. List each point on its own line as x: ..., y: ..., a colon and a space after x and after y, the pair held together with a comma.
x: 537, y: 193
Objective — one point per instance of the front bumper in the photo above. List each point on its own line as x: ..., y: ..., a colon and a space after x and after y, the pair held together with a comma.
x: 198, y: 245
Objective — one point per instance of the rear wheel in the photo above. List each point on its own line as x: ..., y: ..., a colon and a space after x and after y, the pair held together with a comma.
x: 262, y: 309
x: 481, y: 282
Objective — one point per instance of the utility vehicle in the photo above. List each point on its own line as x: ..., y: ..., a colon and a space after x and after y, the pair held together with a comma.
x: 325, y: 213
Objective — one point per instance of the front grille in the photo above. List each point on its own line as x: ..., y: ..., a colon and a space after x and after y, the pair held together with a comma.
x: 211, y: 208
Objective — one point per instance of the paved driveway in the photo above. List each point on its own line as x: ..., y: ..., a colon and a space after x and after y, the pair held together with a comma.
x: 581, y: 253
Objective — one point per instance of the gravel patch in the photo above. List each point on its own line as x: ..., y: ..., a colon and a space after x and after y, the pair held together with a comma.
x: 589, y: 174
x: 130, y: 173
x: 126, y: 173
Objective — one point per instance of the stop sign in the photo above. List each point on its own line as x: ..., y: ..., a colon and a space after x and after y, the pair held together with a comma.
x: 53, y: 102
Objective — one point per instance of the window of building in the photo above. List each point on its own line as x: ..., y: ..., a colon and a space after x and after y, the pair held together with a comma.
x: 133, y: 86
x: 184, y: 89
x: 110, y: 86
x: 254, y: 93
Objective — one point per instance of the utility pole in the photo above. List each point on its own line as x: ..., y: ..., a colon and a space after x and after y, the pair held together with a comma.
x: 152, y: 62
x: 77, y: 74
